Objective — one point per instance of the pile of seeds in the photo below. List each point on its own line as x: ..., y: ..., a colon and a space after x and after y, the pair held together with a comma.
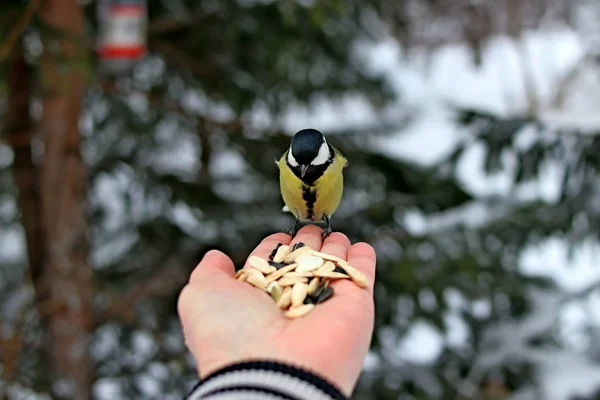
x: 297, y: 277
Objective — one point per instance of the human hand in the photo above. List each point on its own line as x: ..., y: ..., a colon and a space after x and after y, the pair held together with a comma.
x: 227, y: 321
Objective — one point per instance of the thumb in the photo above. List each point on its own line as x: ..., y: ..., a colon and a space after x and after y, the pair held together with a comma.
x: 213, y: 262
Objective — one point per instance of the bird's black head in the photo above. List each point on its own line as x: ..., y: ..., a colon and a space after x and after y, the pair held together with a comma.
x: 306, y: 144
x: 309, y: 155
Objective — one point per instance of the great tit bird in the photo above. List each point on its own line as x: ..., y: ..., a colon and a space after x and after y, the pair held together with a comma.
x: 311, y: 179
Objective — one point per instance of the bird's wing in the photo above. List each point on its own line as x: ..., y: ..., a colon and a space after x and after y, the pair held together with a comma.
x: 341, y: 155
x: 276, y: 161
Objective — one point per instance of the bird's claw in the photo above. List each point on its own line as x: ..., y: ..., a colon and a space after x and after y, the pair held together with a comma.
x: 326, y: 232
x: 292, y: 231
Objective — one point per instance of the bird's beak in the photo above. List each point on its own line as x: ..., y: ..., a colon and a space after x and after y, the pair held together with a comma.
x: 303, y: 169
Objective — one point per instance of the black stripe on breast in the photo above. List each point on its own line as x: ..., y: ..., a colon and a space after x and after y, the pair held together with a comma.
x: 309, y: 195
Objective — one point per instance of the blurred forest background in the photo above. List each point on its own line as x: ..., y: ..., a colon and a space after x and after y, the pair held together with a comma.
x: 473, y: 134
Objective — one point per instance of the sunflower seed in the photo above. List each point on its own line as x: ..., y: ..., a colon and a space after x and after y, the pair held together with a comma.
x: 254, y: 277
x: 309, y: 300
x: 319, y: 289
x: 309, y: 263
x: 327, y: 267
x: 276, y: 265
x: 241, y: 275
x: 298, y: 245
x: 261, y: 264
x: 329, y: 257
x: 281, y: 253
x: 326, y: 294
x: 313, y: 284
x: 357, y: 277
x: 280, y: 272
x: 299, y: 291
x: 298, y: 274
x: 327, y: 274
x: 275, y: 251
x: 296, y: 312
x: 290, y: 281
x: 286, y: 298
x: 294, y: 254
x: 275, y: 290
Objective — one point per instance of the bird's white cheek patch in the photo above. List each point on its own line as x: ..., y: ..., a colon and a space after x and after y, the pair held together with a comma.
x: 322, y: 156
x: 291, y: 160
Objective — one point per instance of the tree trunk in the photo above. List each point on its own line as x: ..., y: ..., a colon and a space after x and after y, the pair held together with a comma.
x: 67, y: 278
x: 18, y: 131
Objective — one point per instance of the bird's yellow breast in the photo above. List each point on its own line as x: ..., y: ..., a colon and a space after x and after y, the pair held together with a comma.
x: 312, y: 202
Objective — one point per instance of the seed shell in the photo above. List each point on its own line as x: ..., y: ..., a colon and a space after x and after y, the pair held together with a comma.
x: 317, y: 292
x: 294, y: 254
x: 275, y: 251
x: 329, y: 257
x: 327, y: 267
x: 299, y: 291
x: 296, y: 273
x: 281, y: 253
x: 291, y: 281
x: 261, y: 264
x: 357, y: 277
x: 326, y: 294
x: 280, y: 272
x: 313, y: 284
x: 296, y: 312
x: 308, y: 263
x: 298, y: 245
x: 275, y: 289
x: 286, y: 298
x: 276, y: 265
x: 241, y: 275
x: 327, y: 274
x: 256, y: 278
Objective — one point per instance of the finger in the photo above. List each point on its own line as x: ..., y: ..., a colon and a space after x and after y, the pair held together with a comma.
x: 336, y: 244
x: 268, y: 244
x: 362, y: 257
x: 351, y: 302
x: 310, y: 235
x: 213, y: 261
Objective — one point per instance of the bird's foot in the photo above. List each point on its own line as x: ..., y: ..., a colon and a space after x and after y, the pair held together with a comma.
x: 292, y: 231
x: 327, y: 231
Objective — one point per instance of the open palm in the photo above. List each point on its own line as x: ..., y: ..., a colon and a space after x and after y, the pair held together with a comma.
x: 226, y: 321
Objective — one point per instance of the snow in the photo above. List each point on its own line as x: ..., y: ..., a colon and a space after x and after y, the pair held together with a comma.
x: 422, y: 344
x: 561, y: 374
x: 498, y: 87
x: 143, y: 344
x: 351, y: 112
x: 108, y: 389
x: 552, y: 260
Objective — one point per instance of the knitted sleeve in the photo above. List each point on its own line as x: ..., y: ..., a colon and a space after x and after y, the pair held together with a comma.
x: 264, y: 380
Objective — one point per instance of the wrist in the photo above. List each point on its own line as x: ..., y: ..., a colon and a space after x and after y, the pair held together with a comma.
x: 260, y: 377
x: 341, y: 375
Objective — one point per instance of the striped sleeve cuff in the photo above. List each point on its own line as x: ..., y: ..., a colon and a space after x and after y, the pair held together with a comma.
x: 264, y: 380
